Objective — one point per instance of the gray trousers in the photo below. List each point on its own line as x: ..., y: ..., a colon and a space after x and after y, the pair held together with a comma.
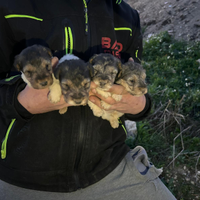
x: 134, y: 179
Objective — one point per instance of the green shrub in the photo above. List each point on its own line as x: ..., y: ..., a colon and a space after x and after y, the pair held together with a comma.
x: 171, y: 134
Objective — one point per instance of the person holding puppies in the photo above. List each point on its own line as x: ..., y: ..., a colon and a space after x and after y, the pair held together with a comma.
x: 75, y: 155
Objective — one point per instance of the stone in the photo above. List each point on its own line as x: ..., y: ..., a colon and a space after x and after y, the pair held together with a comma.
x: 131, y: 128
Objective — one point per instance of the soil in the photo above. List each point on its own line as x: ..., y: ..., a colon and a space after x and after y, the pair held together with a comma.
x: 181, y: 18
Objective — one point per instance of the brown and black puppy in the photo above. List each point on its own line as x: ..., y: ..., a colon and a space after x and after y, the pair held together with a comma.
x: 132, y: 76
x: 35, y: 64
x: 106, y: 68
x: 73, y: 76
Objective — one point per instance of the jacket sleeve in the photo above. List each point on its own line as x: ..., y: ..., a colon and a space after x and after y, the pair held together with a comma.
x: 135, y: 47
x: 144, y: 113
x: 7, y: 46
x: 10, y: 85
x: 10, y: 108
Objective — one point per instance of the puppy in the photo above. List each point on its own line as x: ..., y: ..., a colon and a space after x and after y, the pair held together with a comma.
x: 132, y: 76
x: 34, y: 62
x: 106, y: 68
x: 72, y: 79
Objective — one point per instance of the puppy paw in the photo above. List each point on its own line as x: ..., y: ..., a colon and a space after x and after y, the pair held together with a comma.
x: 98, y: 112
x: 114, y: 123
x: 117, y: 97
x: 63, y: 110
x: 105, y: 105
x: 53, y: 98
x: 106, y: 94
x: 54, y: 92
x: 103, y: 93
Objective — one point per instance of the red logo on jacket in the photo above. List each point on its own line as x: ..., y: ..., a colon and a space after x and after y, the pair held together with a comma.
x: 115, y: 48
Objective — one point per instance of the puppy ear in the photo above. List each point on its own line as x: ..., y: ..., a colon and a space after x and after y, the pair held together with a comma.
x: 48, y: 51
x: 91, y: 69
x: 119, y: 75
x: 18, y: 62
x: 119, y: 65
x: 92, y: 58
x: 57, y: 71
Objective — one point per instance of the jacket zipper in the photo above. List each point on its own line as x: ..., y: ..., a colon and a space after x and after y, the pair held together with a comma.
x: 4, y: 143
x: 87, y: 33
x: 86, y: 16
x: 80, y: 140
x: 83, y: 124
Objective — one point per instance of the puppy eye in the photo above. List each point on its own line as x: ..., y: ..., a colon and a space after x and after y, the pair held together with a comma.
x: 65, y: 86
x: 28, y: 73
x: 113, y: 73
x: 87, y: 85
x: 95, y: 72
x: 131, y: 81
x: 48, y: 67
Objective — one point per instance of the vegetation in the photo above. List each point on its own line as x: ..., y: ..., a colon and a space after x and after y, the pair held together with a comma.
x: 171, y: 134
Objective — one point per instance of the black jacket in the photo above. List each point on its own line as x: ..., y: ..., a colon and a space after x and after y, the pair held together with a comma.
x: 50, y: 151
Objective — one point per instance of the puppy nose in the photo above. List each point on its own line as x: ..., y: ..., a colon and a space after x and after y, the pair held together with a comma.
x: 43, y: 83
x: 144, y: 90
x: 102, y: 84
x: 142, y: 84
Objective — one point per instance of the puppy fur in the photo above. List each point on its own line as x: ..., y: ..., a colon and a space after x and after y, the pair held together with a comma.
x: 132, y: 77
x: 106, y: 68
x: 34, y: 62
x: 73, y: 77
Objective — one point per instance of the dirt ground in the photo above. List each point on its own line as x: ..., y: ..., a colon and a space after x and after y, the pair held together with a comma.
x: 181, y: 18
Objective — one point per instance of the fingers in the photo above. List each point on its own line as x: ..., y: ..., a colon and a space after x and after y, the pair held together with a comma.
x: 54, y: 61
x: 113, y: 104
x: 131, y: 59
x: 117, y: 89
x: 108, y: 100
x: 92, y: 85
x: 95, y: 100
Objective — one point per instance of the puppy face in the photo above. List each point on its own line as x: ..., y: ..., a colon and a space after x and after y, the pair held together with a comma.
x: 35, y: 64
x: 132, y: 77
x: 75, y: 79
x: 106, y: 67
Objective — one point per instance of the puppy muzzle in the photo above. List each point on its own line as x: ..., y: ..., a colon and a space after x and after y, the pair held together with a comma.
x: 76, y: 100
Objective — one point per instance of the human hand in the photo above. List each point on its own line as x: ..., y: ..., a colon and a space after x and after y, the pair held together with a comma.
x: 36, y: 101
x: 128, y: 104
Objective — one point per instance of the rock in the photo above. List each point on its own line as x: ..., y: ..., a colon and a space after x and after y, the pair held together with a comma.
x: 166, y: 21
x: 197, y: 24
x: 150, y: 22
x: 182, y: 16
x: 131, y: 128
x: 158, y: 16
